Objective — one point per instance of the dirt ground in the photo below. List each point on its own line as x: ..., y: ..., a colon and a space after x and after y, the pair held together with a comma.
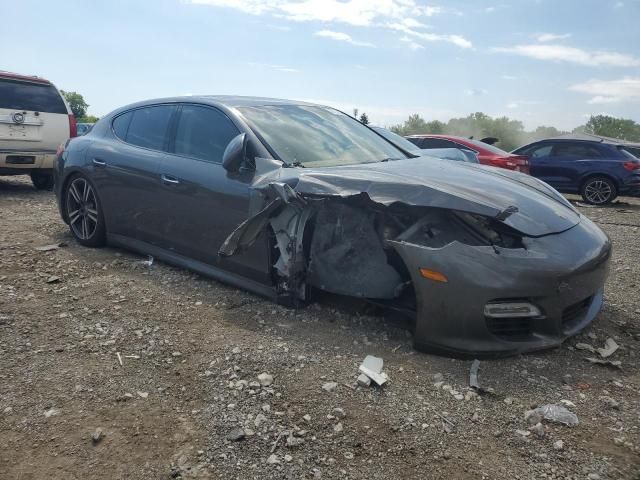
x: 192, y: 349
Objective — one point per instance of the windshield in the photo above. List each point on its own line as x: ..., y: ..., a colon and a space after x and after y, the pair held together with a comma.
x: 313, y: 136
x: 396, y: 139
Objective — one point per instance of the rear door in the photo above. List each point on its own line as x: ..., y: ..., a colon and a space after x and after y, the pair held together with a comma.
x: 33, y: 117
x: 126, y: 167
x: 567, y: 162
x: 203, y: 202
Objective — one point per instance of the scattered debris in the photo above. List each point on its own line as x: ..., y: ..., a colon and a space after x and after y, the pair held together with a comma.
x: 97, y: 436
x: 53, y: 279
x: 553, y: 413
x: 585, y: 346
x: 236, y: 435
x: 610, y: 347
x: 363, y: 380
x: 610, y: 402
x: 146, y: 263
x: 53, y: 246
x: 559, y: 445
x: 143, y: 394
x: 119, y: 359
x: 273, y: 459
x: 372, y: 367
x: 606, y: 363
x: 337, y: 428
x: 538, y: 429
x: 330, y: 386
x: 52, y: 412
x: 265, y: 379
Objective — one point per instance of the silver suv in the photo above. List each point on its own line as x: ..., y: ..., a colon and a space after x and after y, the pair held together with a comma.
x: 34, y: 121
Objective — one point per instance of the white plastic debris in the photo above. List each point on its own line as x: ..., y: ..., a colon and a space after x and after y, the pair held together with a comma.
x: 371, y: 367
x: 610, y: 347
x: 554, y: 413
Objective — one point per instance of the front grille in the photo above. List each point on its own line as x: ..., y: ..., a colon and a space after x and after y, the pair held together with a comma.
x: 573, y: 314
x: 511, y: 328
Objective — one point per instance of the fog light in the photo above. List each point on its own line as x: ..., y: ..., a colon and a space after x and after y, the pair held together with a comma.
x: 511, y: 309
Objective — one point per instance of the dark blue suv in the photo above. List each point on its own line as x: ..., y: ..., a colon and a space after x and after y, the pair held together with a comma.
x: 597, y: 170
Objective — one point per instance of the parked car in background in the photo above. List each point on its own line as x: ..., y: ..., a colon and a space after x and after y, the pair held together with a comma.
x: 444, y: 153
x: 84, y: 128
x: 598, y: 170
x: 34, y: 121
x: 487, y: 154
x: 286, y: 198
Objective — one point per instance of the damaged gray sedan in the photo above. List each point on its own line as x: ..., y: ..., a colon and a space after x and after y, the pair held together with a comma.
x: 284, y: 198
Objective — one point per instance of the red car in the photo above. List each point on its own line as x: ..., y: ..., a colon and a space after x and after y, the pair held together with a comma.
x: 487, y: 154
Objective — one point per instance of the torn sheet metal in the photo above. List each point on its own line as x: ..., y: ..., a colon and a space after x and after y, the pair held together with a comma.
x: 371, y: 368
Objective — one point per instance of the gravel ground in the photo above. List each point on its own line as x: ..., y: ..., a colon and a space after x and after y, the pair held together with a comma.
x: 118, y: 370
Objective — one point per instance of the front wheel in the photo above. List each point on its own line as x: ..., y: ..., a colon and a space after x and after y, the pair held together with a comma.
x: 42, y: 180
x: 599, y: 191
x: 84, y: 212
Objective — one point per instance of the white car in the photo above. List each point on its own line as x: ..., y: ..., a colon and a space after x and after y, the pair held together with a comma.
x: 34, y: 121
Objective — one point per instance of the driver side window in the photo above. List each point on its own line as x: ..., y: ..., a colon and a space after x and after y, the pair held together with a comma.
x: 203, y: 133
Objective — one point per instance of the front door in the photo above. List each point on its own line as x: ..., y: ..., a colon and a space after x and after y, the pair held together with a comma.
x: 203, y: 202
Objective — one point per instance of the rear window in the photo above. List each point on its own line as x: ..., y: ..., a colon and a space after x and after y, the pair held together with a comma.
x: 31, y: 96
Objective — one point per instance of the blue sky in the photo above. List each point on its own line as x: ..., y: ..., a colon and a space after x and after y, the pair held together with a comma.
x: 545, y: 62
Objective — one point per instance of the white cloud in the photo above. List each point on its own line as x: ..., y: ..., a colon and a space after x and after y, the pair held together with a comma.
x: 508, y: 77
x: 411, y: 44
x: 432, y: 37
x: 475, y: 92
x: 490, y: 9
x: 618, y: 5
x: 610, y: 91
x: 551, y: 37
x: 519, y: 103
x: 561, y: 53
x: 342, y: 37
x: 403, y: 15
x: 353, y: 12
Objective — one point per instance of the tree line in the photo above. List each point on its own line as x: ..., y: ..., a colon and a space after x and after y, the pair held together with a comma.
x: 511, y: 133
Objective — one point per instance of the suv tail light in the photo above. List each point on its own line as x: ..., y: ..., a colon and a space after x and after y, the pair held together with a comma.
x: 73, y: 126
x: 631, y: 166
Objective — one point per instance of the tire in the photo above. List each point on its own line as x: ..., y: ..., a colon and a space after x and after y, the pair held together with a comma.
x: 83, y: 211
x: 42, y: 180
x: 599, y: 191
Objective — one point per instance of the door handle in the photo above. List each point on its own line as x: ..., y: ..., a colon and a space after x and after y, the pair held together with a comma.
x: 99, y: 163
x: 169, y: 180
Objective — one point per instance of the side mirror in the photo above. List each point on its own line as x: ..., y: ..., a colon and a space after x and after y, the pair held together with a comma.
x: 236, y: 153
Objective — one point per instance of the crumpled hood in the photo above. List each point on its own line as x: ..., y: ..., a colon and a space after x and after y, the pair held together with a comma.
x: 524, y: 204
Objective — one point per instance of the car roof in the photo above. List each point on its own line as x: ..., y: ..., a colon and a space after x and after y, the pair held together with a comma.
x: 588, y: 137
x: 25, y: 78
x: 229, y: 101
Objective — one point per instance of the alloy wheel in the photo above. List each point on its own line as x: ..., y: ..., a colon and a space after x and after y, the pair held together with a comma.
x: 82, y: 209
x: 598, y: 192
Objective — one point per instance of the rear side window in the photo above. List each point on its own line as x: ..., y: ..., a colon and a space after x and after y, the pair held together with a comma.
x: 576, y: 150
x: 148, y: 126
x: 203, y: 133
x: 31, y: 96
x: 121, y: 125
x: 439, y: 143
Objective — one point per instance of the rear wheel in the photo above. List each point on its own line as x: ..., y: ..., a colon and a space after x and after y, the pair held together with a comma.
x: 599, y: 191
x: 84, y: 212
x: 42, y: 180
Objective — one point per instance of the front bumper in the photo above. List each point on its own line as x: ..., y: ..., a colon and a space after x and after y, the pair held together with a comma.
x: 631, y: 186
x: 563, y: 274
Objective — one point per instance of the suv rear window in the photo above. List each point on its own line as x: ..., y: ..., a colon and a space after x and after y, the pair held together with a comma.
x: 30, y: 96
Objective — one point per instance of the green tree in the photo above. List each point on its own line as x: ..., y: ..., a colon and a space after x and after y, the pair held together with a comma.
x: 435, y: 127
x: 414, y: 125
x: 364, y: 118
x: 608, y: 126
x: 76, y: 102
x: 87, y: 119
